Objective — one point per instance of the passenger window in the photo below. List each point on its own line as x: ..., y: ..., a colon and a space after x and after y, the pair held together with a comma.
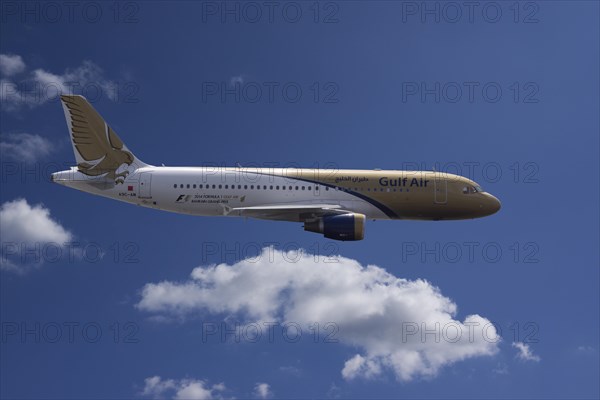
x: 309, y: 188
x: 277, y: 187
x: 200, y: 186
x: 251, y: 186
x: 181, y: 186
x: 214, y: 186
x: 175, y: 186
x: 296, y: 187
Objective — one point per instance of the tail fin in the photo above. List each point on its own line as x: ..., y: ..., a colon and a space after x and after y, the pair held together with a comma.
x: 98, y: 149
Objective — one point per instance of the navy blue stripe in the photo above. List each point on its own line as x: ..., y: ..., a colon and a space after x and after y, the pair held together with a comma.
x: 383, y: 208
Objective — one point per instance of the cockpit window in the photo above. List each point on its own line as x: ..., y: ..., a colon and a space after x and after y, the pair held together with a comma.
x: 472, y: 189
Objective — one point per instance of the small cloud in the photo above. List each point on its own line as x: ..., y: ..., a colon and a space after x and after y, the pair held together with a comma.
x: 236, y: 80
x: 585, y: 349
x: 524, y: 352
x: 24, y: 228
x: 262, y: 391
x: 41, y: 86
x: 24, y: 147
x: 155, y: 386
x: 11, y: 64
x: 360, y: 366
x: 501, y: 369
x: 188, y: 389
x: 334, y: 392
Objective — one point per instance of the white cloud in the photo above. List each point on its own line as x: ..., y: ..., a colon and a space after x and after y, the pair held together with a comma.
x: 24, y: 147
x: 586, y: 349
x: 24, y: 227
x: 11, y: 64
x: 334, y: 392
x: 41, y: 86
x: 21, y: 222
x: 155, y: 386
x: 239, y: 79
x: 385, y: 317
x: 188, y: 389
x: 262, y: 391
x: 501, y: 369
x: 524, y: 352
x: 361, y: 366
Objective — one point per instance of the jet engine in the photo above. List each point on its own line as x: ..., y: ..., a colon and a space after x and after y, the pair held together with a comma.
x: 346, y: 227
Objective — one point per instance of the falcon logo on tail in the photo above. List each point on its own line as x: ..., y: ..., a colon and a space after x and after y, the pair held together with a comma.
x: 98, y: 149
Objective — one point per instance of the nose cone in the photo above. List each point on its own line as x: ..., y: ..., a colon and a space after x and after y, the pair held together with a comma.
x: 491, y: 204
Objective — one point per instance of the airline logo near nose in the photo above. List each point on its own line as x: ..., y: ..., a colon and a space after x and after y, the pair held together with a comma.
x: 403, y: 182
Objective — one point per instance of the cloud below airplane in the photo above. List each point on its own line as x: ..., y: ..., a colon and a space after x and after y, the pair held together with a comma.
x: 404, y: 326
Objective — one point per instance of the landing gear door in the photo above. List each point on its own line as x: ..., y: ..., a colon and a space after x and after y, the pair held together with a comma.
x: 440, y: 189
x: 145, y: 185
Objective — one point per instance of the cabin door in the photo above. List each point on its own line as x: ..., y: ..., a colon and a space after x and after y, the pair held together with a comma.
x: 440, y: 189
x: 145, y: 185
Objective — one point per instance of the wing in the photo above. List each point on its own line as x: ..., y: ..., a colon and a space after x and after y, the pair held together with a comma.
x: 92, y: 138
x: 287, y: 212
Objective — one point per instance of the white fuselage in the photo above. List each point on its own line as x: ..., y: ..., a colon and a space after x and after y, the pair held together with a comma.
x: 210, y: 192
x: 377, y: 194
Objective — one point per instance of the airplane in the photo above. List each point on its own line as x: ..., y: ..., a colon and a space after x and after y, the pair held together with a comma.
x: 332, y: 202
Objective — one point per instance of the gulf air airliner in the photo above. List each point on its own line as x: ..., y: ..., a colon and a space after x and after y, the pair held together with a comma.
x: 335, y: 203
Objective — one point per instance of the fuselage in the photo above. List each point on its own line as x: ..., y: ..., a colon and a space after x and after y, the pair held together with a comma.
x: 378, y: 194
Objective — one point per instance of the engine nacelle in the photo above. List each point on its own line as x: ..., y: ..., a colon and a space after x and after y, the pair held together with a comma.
x: 349, y: 226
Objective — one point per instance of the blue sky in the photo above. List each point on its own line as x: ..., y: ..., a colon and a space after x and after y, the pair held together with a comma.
x: 509, y: 99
